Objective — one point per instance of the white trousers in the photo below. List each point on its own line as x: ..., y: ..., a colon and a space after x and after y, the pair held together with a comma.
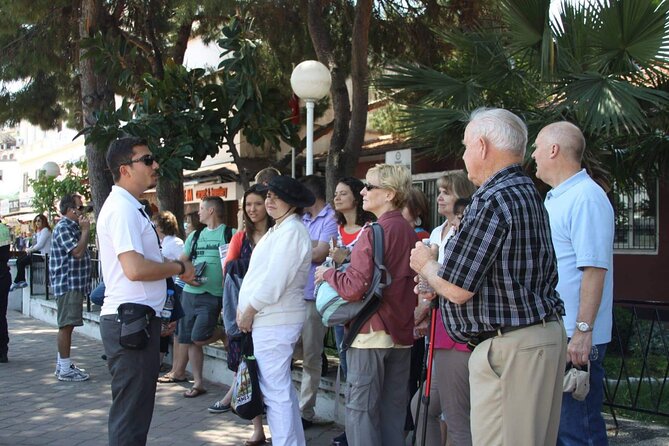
x: 273, y: 349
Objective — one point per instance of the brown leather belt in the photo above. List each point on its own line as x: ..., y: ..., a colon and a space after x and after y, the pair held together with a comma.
x: 485, y: 335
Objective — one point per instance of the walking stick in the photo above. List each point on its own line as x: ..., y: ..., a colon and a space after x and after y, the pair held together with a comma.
x: 427, y: 377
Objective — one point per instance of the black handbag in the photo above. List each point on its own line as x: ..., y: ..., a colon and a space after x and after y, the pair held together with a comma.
x: 246, y: 397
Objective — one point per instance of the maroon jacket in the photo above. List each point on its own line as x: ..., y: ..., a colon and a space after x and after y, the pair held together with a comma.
x: 395, y: 316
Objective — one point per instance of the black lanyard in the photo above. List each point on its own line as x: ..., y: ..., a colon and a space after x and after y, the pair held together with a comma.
x: 141, y: 211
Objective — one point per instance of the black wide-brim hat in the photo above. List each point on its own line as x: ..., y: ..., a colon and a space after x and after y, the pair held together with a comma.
x: 290, y: 190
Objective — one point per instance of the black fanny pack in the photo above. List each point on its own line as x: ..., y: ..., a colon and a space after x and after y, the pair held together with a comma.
x: 135, y: 321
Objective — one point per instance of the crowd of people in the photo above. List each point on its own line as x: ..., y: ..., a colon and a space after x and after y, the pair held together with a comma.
x: 514, y: 289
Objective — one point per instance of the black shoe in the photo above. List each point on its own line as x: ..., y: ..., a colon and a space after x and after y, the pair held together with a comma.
x: 306, y: 424
x: 340, y: 440
x: 104, y: 357
x: 3, y: 358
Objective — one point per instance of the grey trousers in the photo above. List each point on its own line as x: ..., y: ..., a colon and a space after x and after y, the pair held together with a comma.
x: 376, y: 396
x: 133, y: 384
x: 449, y: 393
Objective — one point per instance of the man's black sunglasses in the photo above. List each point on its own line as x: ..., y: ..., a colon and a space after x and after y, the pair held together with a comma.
x: 371, y: 186
x: 148, y: 160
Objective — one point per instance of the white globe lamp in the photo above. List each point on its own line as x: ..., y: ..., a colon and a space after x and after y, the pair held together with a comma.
x: 51, y: 169
x: 310, y: 81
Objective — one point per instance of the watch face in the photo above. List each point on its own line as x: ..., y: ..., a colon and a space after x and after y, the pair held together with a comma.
x: 583, y: 326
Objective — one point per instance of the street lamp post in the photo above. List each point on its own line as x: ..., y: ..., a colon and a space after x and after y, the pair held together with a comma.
x: 310, y: 81
x: 51, y: 170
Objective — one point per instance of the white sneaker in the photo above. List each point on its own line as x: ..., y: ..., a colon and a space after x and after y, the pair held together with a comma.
x: 74, y: 374
x: 57, y: 371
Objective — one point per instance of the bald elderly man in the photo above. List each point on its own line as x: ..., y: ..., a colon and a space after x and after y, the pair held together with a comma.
x: 582, y: 225
x: 497, y: 290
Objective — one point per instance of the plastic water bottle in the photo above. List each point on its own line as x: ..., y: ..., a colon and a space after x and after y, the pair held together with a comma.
x: 424, y: 285
x: 166, y: 314
x: 328, y: 263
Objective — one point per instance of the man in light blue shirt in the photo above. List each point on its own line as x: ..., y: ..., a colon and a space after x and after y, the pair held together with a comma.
x: 582, y: 227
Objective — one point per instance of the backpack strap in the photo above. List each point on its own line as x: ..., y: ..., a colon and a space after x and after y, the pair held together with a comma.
x: 373, y: 296
x: 193, y: 245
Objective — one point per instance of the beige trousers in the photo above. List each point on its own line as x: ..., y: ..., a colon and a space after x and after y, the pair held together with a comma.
x: 516, y: 386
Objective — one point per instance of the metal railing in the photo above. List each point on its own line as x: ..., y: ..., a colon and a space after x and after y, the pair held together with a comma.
x: 39, y: 277
x: 637, y: 359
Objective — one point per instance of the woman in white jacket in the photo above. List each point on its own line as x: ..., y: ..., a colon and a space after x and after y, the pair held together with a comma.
x: 271, y: 304
x: 42, y: 245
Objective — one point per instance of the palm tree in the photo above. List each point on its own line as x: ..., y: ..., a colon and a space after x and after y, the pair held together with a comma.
x: 602, y: 65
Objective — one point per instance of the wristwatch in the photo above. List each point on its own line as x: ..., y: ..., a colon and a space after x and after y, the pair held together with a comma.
x: 583, y: 327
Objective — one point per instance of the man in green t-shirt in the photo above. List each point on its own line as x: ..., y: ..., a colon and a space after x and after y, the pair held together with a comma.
x: 202, y: 298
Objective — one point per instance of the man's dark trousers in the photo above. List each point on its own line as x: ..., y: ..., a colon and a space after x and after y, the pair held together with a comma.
x: 134, y: 377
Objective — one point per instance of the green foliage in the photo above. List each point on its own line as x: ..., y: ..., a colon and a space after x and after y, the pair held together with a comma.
x: 602, y: 65
x: 49, y: 190
x: 189, y: 114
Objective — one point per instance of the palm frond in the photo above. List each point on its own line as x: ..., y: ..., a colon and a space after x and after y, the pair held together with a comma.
x: 439, y: 128
x: 435, y: 87
x: 529, y: 30
x: 631, y: 35
x: 606, y: 104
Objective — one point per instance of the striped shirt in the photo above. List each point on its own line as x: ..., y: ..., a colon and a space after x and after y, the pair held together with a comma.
x: 502, y: 253
x: 66, y: 272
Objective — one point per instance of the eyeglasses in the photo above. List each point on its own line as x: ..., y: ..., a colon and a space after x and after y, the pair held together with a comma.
x: 371, y: 186
x: 148, y: 160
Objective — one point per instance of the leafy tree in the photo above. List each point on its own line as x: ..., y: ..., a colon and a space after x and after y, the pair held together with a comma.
x: 188, y: 114
x: 51, y: 49
x: 48, y: 190
x: 601, y: 65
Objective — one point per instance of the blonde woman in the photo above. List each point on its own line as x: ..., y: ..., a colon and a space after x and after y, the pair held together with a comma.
x: 379, y: 357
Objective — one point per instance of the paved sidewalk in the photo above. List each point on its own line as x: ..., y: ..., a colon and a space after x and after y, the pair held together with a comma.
x: 37, y: 409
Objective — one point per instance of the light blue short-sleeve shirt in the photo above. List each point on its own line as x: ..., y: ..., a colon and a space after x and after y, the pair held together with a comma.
x: 582, y: 228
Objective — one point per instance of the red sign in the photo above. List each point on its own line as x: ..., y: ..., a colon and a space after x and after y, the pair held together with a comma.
x: 213, y: 191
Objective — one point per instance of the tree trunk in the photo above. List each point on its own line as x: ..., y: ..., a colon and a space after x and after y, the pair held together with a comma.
x: 360, y: 92
x: 344, y: 148
x: 170, y: 195
x: 96, y: 95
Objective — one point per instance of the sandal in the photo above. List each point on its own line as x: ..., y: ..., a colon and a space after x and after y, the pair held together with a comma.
x: 255, y: 442
x: 168, y: 379
x: 194, y: 392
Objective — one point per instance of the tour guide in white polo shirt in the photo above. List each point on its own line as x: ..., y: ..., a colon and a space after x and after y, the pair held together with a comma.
x: 134, y: 272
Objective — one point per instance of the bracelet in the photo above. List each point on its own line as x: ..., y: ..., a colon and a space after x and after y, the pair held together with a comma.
x: 183, y: 267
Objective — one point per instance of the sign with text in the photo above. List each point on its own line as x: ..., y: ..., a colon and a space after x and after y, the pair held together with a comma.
x: 399, y: 157
x: 227, y: 192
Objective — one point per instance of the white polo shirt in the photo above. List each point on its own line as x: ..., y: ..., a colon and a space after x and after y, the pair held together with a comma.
x: 122, y: 228
x: 582, y: 227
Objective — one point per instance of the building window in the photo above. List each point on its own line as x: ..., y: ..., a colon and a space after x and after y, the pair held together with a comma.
x: 636, y: 219
x: 25, y: 182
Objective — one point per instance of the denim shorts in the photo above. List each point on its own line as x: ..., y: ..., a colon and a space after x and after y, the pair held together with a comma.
x: 201, y: 312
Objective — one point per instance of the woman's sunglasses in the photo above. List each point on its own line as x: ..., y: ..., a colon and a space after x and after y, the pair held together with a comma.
x: 371, y: 186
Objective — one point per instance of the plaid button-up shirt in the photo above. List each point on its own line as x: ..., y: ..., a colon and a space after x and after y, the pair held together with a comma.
x: 503, y: 253
x: 66, y: 272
